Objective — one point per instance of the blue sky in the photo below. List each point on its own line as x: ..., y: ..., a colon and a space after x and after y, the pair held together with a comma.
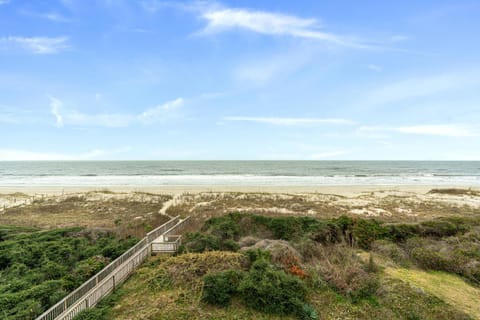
x: 113, y: 79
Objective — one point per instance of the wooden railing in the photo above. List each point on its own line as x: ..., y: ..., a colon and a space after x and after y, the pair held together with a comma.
x: 105, y: 281
x: 170, y: 240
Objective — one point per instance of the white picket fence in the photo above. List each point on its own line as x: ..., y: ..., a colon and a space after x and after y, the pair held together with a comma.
x: 104, y: 282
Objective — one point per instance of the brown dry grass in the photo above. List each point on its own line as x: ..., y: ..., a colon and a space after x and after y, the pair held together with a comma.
x: 387, y: 206
x: 128, y: 215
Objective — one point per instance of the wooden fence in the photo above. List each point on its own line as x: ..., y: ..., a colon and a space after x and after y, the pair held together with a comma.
x: 104, y: 282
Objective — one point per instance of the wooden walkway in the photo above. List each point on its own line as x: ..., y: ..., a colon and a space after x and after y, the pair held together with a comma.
x: 164, y: 239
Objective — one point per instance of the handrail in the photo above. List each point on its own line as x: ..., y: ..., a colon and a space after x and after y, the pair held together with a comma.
x: 182, y: 223
x: 74, y: 297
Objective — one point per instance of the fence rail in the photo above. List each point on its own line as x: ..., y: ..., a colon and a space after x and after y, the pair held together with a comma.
x: 105, y: 281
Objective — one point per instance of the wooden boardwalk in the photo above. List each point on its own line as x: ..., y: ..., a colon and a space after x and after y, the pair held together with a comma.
x: 164, y: 239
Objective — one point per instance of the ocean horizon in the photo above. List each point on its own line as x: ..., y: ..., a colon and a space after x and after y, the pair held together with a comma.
x: 238, y: 173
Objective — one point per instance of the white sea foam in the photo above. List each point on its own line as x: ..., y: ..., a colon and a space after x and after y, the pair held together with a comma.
x: 233, y: 180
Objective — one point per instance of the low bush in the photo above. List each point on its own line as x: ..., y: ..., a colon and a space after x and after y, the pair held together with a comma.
x: 393, y: 251
x: 441, y: 228
x: 263, y: 287
x: 219, y: 287
x: 347, y: 274
x: 200, y: 242
x: 38, y: 268
x: 366, y: 231
x: 226, y: 227
x: 402, y: 232
x: 197, y: 242
x: 272, y: 291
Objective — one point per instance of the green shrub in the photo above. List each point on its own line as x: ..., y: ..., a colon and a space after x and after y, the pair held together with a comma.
x: 197, y: 242
x: 38, y: 268
x: 271, y: 291
x: 229, y: 245
x: 200, y: 242
x: 218, y: 288
x: 258, y: 254
x: 91, y: 314
x: 393, y: 251
x: 226, y: 227
x: 440, y: 228
x: 88, y: 267
x: 328, y: 233
x: 307, y: 312
x: 401, y: 232
x: 433, y: 260
x: 366, y: 231
x: 366, y: 289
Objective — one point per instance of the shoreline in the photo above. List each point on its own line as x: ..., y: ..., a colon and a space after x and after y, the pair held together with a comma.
x: 345, y: 190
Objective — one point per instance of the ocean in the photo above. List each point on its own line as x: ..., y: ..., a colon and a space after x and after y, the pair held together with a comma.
x: 238, y: 173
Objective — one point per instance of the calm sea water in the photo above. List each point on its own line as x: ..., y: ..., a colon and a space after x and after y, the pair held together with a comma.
x: 238, y: 173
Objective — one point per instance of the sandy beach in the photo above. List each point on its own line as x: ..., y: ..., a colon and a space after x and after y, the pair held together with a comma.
x: 346, y: 190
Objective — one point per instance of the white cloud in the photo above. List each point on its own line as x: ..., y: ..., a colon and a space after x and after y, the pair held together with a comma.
x: 292, y: 121
x: 36, y: 45
x: 156, y: 113
x: 109, y: 120
x: 224, y: 19
x: 420, y: 87
x: 113, y: 120
x: 446, y: 130
x: 53, y: 16
x: 25, y: 155
x: 262, y: 70
x: 55, y: 106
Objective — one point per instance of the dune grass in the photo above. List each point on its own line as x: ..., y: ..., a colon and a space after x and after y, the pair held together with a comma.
x: 448, y: 287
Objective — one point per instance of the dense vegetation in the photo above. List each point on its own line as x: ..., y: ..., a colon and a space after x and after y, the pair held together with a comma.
x: 446, y: 244
x: 38, y: 268
x: 248, y: 266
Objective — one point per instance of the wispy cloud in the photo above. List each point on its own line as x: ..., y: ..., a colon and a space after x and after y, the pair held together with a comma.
x: 157, y: 113
x: 292, y: 121
x: 27, y: 155
x: 419, y: 87
x: 36, y: 45
x: 225, y: 19
x: 113, y: 120
x: 263, y: 70
x: 51, y: 16
x: 445, y: 130
x: 55, y: 106
x: 449, y: 130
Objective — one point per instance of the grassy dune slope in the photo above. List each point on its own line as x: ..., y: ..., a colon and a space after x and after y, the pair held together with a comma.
x: 448, y: 287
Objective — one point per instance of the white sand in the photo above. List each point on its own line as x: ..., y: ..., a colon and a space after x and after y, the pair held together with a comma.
x: 338, y: 190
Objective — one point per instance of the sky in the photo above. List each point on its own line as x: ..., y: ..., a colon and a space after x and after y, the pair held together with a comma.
x: 259, y: 80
